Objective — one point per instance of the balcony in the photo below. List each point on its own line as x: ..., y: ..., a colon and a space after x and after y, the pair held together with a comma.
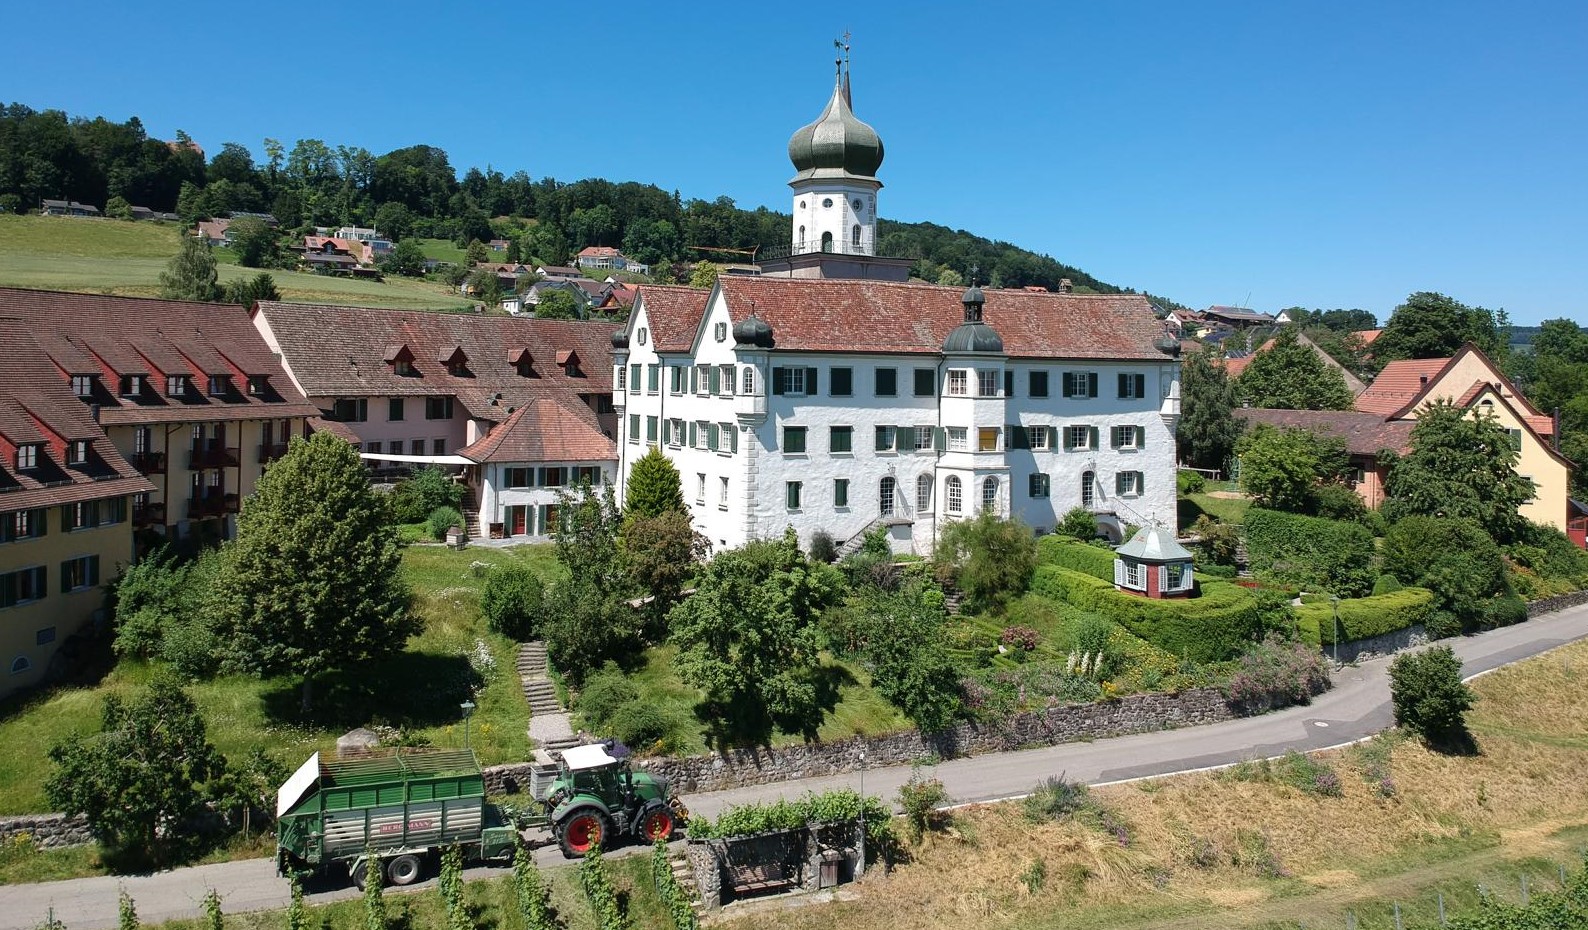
x: 270, y: 451
x: 148, y: 515
x: 149, y: 463
x: 213, y: 453
x: 213, y: 504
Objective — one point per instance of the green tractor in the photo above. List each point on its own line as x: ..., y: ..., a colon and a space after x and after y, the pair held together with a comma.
x: 597, y: 799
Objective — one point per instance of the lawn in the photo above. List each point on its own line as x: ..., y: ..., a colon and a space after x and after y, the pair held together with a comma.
x: 125, y: 259
x: 1226, y: 509
x: 418, y: 690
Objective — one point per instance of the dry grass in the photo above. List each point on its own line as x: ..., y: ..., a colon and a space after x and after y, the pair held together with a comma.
x: 1193, y: 856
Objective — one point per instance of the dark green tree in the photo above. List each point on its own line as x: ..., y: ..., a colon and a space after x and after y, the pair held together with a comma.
x: 406, y: 259
x: 1283, y: 469
x: 1455, y: 559
x: 191, y: 273
x: 1460, y: 466
x: 1430, y: 698
x: 990, y: 559
x: 142, y: 775
x: 654, y: 487
x: 1289, y: 375
x: 394, y: 221
x: 312, y: 582
x: 512, y: 600
x: 900, y: 637
x: 485, y: 287
x: 245, y: 292
x: 661, y: 554
x: 1207, y: 430
x: 587, y: 617
x: 255, y: 242
x: 558, y: 304
x: 704, y: 275
x: 748, y: 639
x: 1430, y: 325
x: 476, y: 252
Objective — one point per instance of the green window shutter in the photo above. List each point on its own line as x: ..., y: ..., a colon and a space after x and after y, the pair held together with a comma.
x: 634, y: 377
x: 1091, y: 384
x: 843, y: 382
x: 777, y: 381
x: 694, y: 433
x: 1140, y: 384
x: 733, y: 438
x: 882, y: 444
x: 811, y: 382
x: 1018, y: 438
x: 1092, y: 437
x: 634, y: 427
x: 1009, y: 384
x: 925, y: 382
x: 903, y: 439
x: 1119, y: 483
x: 1069, y: 440
x: 716, y: 380
x: 711, y: 436
x: 1114, y: 437
x: 939, y: 439
x: 1124, y: 385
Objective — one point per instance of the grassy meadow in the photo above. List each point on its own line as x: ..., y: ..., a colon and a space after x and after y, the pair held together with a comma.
x: 124, y: 259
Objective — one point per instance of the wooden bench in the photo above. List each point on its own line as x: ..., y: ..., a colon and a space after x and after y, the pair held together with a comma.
x: 767, y: 877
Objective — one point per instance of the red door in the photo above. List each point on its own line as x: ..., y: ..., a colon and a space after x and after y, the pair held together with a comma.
x: 517, y: 525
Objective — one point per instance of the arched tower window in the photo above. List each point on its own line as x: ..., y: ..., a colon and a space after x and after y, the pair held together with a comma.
x: 854, y: 236
x: 889, y: 490
x: 989, y: 495
x: 827, y: 242
x: 749, y: 381
x: 1089, y: 490
x: 923, y: 492
x: 954, y: 493
x: 800, y: 245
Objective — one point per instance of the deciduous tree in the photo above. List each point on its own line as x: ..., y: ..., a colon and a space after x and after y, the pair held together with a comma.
x: 1430, y: 698
x: 1289, y: 375
x: 142, y: 774
x: 899, y: 635
x: 1460, y: 466
x: 991, y: 559
x: 1207, y: 430
x: 587, y: 620
x: 661, y: 554
x: 406, y: 258
x: 1430, y: 325
x: 191, y: 273
x: 255, y: 242
x: 312, y: 581
x: 1283, y: 469
x: 558, y: 304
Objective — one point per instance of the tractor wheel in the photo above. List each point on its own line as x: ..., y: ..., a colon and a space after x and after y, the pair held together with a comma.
x: 360, y: 873
x: 581, y: 831
x: 657, y: 825
x: 404, y: 870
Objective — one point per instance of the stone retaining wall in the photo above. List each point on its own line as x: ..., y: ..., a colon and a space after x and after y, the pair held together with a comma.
x: 1385, y: 644
x: 1548, y: 605
x: 46, y: 831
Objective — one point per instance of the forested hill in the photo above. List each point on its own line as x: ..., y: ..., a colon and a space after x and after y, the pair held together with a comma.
x: 415, y: 191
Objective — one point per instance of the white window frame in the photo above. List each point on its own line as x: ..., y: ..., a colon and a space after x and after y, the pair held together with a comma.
x: 990, y: 488
x: 923, y: 439
x: 722, y: 494
x: 958, y: 439
x: 958, y: 382
x: 1037, y: 438
x: 794, y: 380
x: 700, y: 487
x: 1084, y: 444
x: 989, y: 382
x: 954, y: 495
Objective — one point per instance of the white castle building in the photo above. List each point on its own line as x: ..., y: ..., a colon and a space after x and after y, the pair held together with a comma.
x: 833, y: 396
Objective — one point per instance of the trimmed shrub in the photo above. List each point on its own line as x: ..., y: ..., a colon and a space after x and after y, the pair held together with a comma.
x: 1076, y: 556
x: 1455, y: 559
x: 442, y: 519
x: 1189, y: 482
x: 1216, y: 626
x: 414, y: 499
x: 1077, y: 523
x: 1367, y: 616
x: 1311, y: 551
x: 1430, y: 698
x: 822, y: 548
x: 1338, y: 502
x: 1505, y: 610
x: 511, y: 601
x: 1387, y: 584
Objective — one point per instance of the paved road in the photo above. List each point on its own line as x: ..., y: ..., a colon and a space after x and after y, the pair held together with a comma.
x: 1357, y: 707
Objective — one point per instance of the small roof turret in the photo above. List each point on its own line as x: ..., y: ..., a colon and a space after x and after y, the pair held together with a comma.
x: 754, y: 331
x: 973, y: 335
x: 620, y: 340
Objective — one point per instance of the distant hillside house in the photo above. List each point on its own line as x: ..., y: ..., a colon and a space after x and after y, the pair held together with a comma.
x: 558, y: 271
x: 1237, y: 317
x: 67, y: 208
x: 214, y: 232
x: 600, y: 256
x: 269, y: 219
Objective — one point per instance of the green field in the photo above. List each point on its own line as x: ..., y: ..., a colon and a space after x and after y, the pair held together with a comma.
x: 243, y: 713
x: 125, y: 259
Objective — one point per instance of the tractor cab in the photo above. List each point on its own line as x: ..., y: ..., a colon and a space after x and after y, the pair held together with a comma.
x: 598, y: 797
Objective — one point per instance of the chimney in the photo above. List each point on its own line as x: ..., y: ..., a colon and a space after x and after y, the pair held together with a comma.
x: 1064, y: 286
x: 1422, y: 380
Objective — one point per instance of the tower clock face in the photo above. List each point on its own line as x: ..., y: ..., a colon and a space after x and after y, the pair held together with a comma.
x: 857, y: 205
x: 827, y: 202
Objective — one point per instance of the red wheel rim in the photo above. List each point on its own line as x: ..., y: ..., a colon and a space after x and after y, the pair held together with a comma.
x: 583, y: 833
x: 659, y: 825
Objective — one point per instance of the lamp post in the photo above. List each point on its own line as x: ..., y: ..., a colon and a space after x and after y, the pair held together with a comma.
x: 1334, y: 630
x: 468, y: 709
x: 862, y: 773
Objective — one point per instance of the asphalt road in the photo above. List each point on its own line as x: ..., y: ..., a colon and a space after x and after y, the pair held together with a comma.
x: 1357, y: 707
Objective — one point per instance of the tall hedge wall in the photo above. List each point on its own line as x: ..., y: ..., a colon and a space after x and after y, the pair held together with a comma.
x: 1362, y: 617
x: 1213, y: 627
x: 1076, y: 556
x: 1333, y: 555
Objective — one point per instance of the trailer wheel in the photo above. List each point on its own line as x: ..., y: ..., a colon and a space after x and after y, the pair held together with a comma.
x: 657, y: 825
x: 360, y: 873
x: 581, y: 832
x: 404, y: 870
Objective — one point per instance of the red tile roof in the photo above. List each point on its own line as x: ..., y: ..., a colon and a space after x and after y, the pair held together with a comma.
x: 674, y: 315
x: 113, y: 336
x: 836, y: 315
x: 1364, y: 433
x: 342, y: 352
x: 544, y: 430
x: 37, y: 407
x: 1368, y: 335
x: 1399, y: 384
x: 598, y: 251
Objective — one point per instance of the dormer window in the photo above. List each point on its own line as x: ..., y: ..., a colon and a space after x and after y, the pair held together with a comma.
x: 401, y: 360
x: 27, y: 456
x: 175, y: 385
x: 220, y: 385
x: 403, y: 368
x: 523, y: 363
x: 569, y: 360
x: 132, y: 385
x: 456, y: 361
x: 77, y: 452
x: 258, y: 385
x: 83, y: 385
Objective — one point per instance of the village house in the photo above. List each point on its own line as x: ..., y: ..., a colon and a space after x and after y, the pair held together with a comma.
x: 606, y: 257
x: 1367, y: 436
x: 518, y: 469
x: 186, y: 392
x: 67, y: 208
x: 214, y: 232
x: 829, y: 400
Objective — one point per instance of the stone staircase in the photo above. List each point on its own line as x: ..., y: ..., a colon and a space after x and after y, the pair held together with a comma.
x: 471, y: 514
x: 951, y: 601
x: 548, y: 721
x: 852, y: 544
x: 685, y: 876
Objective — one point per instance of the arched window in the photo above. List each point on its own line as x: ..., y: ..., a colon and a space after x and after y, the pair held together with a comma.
x: 749, y: 381
x: 20, y: 664
x: 954, y: 493
x: 800, y: 245
x: 854, y: 236
x: 989, y: 495
x: 827, y: 242
x: 889, y: 489
x: 923, y: 493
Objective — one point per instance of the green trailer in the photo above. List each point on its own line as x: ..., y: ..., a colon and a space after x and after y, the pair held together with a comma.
x: 404, y: 805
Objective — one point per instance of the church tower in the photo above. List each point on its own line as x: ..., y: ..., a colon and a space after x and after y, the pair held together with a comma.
x: 834, y: 231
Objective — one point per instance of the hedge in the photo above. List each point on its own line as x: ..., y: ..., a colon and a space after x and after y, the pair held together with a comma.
x: 1335, y: 555
x: 1217, y: 625
x: 1366, y: 616
x: 1076, y: 556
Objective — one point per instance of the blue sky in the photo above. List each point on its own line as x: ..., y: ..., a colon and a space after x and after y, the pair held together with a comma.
x: 1339, y: 154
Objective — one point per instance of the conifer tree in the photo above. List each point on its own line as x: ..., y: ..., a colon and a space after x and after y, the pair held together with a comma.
x: 191, y: 274
x: 654, y: 487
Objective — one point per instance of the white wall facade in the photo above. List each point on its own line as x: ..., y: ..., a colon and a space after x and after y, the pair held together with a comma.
x: 759, y: 468
x: 498, y: 493
x: 852, y: 203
